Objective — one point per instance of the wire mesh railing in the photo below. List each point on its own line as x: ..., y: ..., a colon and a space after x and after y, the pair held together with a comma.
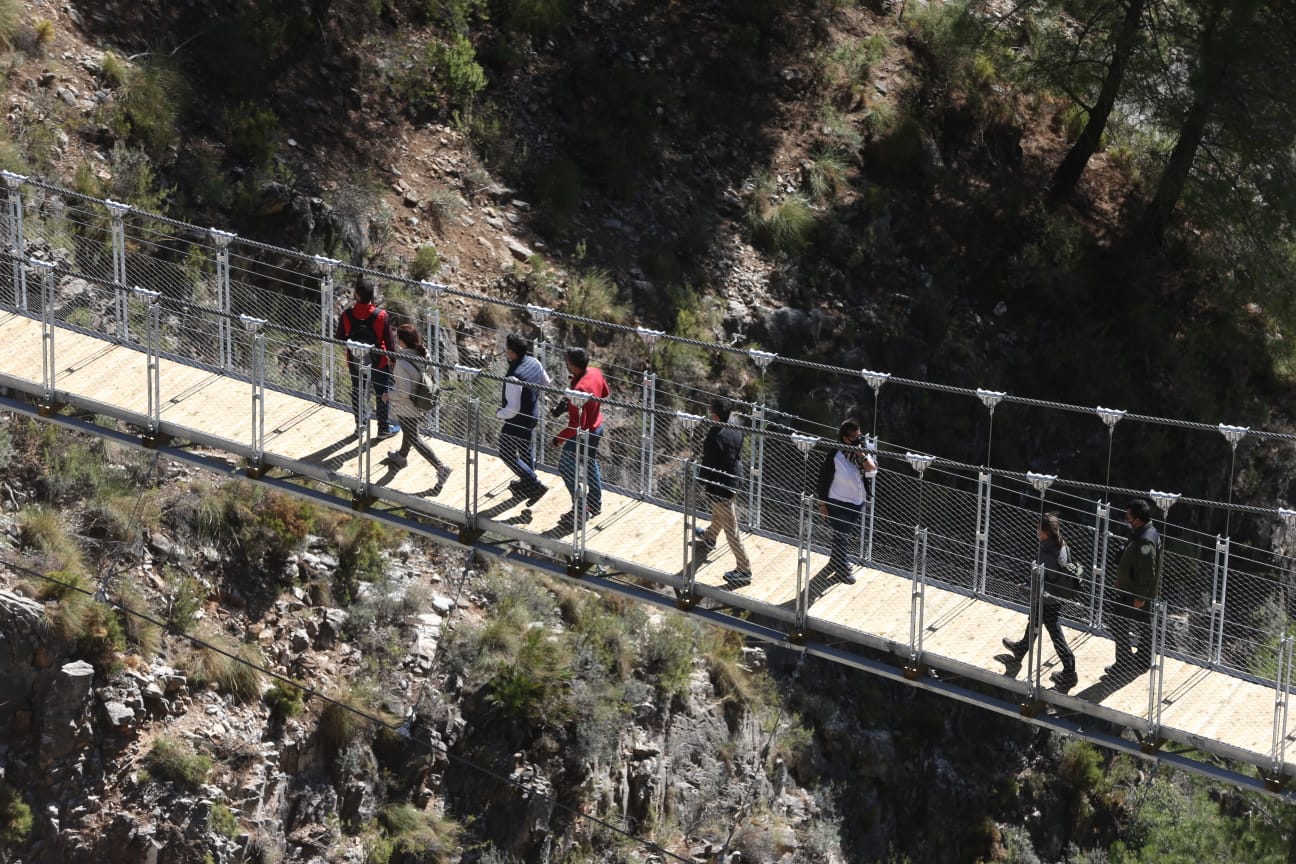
x: 1227, y: 603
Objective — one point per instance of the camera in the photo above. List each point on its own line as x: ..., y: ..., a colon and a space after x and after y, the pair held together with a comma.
x: 561, y: 408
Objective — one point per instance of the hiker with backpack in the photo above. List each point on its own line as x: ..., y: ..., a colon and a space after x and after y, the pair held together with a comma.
x: 364, y: 322
x: 407, y: 392
x: 1055, y: 555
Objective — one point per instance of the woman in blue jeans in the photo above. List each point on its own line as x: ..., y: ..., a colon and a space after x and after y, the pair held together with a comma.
x: 842, y: 491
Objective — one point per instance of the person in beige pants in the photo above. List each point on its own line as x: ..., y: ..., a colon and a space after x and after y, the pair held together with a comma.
x: 721, y: 464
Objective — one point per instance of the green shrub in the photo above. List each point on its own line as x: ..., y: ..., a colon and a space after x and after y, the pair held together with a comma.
x: 113, y: 70
x: 43, y: 32
x: 152, y: 105
x: 11, y: 20
x: 593, y: 294
x: 779, y: 224
x: 536, y: 16
x: 143, y: 633
x: 408, y: 834
x: 231, y: 667
x: 175, y: 760
x: 826, y: 175
x: 223, y: 821
x: 739, y: 688
x: 360, y: 543
x: 344, y: 716
x: 455, y: 69
x: 15, y: 816
x: 528, y: 689
x: 42, y: 528
x: 251, y: 134
x: 284, y: 700
x: 183, y: 597
x: 426, y: 262
x: 668, y: 655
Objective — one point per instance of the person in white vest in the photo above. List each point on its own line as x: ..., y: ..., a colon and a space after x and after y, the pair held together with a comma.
x: 842, y: 490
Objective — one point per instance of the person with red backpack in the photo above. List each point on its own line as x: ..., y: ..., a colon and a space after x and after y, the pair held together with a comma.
x: 365, y: 322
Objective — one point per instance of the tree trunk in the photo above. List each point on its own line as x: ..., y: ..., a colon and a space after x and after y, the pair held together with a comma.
x: 1069, y: 172
x: 1218, y: 56
x: 1175, y: 176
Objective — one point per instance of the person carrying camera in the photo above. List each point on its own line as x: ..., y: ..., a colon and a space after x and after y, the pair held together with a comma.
x: 519, y: 404
x: 842, y: 490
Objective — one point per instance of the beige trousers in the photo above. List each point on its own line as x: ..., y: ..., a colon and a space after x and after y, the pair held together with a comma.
x: 724, y: 517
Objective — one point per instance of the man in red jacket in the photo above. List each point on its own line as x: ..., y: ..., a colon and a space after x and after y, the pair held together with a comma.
x: 586, y: 379
x: 365, y: 323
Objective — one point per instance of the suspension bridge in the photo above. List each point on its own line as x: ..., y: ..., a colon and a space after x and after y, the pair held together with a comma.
x: 218, y: 351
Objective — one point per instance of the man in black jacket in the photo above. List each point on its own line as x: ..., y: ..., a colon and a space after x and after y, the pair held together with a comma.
x: 721, y: 462
x: 842, y: 491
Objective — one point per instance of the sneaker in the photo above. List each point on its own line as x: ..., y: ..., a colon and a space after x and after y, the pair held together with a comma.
x: 848, y: 577
x: 699, y: 534
x: 517, y: 487
x: 396, y: 458
x: 536, y: 494
x: 1064, y: 680
x: 737, y: 578
x: 1015, y: 647
x: 443, y: 473
x: 393, y: 429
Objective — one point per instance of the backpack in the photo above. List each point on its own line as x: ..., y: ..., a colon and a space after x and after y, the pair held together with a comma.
x: 424, y: 397
x: 1068, y: 583
x: 366, y: 330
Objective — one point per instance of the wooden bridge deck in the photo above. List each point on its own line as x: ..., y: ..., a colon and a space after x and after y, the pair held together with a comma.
x: 1218, y: 712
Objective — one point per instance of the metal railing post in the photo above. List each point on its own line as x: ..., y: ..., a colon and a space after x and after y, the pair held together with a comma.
x: 981, y: 537
x: 48, y: 370
x: 1282, y: 697
x: 918, y: 596
x: 647, y: 434
x: 756, y: 478
x: 328, y: 312
x: 805, y: 535
x: 117, y: 217
x: 1035, y: 619
x: 17, y: 242
x: 580, y: 500
x: 690, y: 523
x: 152, y: 344
x: 437, y: 366
x: 540, y: 440
x: 1102, y: 538
x: 472, y: 461
x: 867, y: 517
x: 1219, y: 596
x: 1156, y: 676
x: 226, y: 322
x: 256, y: 326
x: 360, y: 350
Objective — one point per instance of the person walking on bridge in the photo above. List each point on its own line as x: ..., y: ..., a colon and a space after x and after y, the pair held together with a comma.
x: 1137, y: 586
x: 842, y: 490
x: 406, y: 377
x: 1054, y: 554
x: 721, y: 463
x: 519, y: 402
x: 589, y: 418
x: 364, y: 322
